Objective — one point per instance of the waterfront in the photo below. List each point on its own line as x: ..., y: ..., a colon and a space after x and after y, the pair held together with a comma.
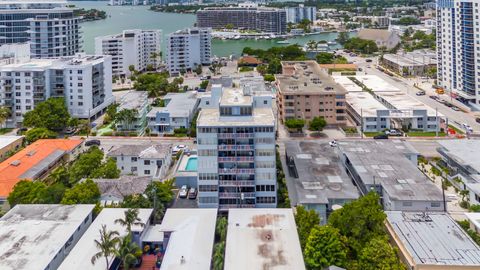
x: 130, y: 17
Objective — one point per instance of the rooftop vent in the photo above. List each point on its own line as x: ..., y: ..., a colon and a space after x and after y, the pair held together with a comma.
x: 15, y: 163
x: 31, y: 153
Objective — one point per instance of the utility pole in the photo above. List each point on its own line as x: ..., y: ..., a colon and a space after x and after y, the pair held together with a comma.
x: 437, y: 122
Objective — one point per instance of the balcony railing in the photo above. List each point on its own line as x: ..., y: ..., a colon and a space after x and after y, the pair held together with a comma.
x: 238, y: 183
x: 236, y: 135
x: 236, y: 195
x: 236, y: 171
x: 235, y: 147
x: 229, y: 206
x: 236, y: 159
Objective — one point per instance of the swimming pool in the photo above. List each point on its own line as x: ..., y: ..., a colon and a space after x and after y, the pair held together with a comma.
x: 191, y: 164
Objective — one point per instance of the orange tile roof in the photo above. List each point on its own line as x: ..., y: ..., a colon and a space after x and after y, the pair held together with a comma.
x: 339, y: 66
x: 249, y: 60
x: 28, y: 158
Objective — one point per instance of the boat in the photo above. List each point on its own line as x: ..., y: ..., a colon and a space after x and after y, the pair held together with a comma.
x: 332, y: 42
x: 283, y: 42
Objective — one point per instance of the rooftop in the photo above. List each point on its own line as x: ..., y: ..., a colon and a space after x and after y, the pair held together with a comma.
x: 260, y: 117
x: 32, y: 235
x: 262, y: 239
x: 177, y: 105
x: 464, y: 152
x: 348, y: 84
x: 404, y: 102
x: 306, y: 77
x: 386, y: 163
x: 81, y: 255
x: 192, y: 237
x: 31, y: 162
x: 63, y: 62
x: 474, y: 219
x: 321, y: 176
x: 433, y: 239
x: 415, y: 58
x: 114, y: 190
x: 374, y: 34
x: 235, y: 97
x: 7, y: 140
x: 133, y: 100
x: 364, y: 103
x: 376, y: 83
x: 143, y: 151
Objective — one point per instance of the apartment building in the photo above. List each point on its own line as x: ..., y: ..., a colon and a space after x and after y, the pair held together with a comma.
x: 85, y: 81
x: 50, y: 26
x: 236, y: 150
x: 14, y: 53
x: 137, y: 103
x: 188, y: 48
x: 262, y: 19
x: 305, y: 91
x: 137, y: 48
x: 458, y: 67
x: 297, y: 14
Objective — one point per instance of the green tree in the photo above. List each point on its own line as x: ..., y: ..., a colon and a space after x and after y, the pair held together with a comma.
x: 269, y: 77
x: 35, y: 134
x: 218, y: 256
x: 107, y: 245
x: 379, y: 254
x: 26, y: 192
x: 221, y: 229
x: 107, y: 170
x: 5, y: 113
x: 317, y: 124
x: 306, y: 220
x: 366, y: 214
x: 85, y: 164
x: 162, y: 194
x: 294, y: 123
x: 203, y: 84
x: 229, y: 26
x: 325, y: 58
x: 131, y: 219
x: 325, y: 246
x: 154, y: 83
x: 198, y: 69
x: 86, y: 192
x: 51, y: 114
x: 127, y: 251
x: 361, y: 45
x: 136, y: 201
x: 127, y: 117
x: 342, y: 37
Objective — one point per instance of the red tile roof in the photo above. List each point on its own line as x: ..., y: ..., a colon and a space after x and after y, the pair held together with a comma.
x: 14, y: 167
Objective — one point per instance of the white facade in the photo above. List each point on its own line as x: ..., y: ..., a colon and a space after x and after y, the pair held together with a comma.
x: 236, y: 149
x: 132, y: 47
x: 84, y: 81
x: 14, y: 53
x: 458, y: 49
x: 189, y: 48
x: 297, y: 14
x: 128, y: 2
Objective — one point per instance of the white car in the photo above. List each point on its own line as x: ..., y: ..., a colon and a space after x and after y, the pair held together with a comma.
x: 183, y: 192
x: 333, y: 143
x: 177, y: 148
x: 467, y: 127
x: 393, y: 132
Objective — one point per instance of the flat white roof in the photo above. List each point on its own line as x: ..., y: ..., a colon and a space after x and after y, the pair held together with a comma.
x: 7, y: 140
x: 262, y: 239
x: 376, y: 83
x: 80, y: 256
x: 364, y: 103
x: 212, y: 118
x: 192, y: 237
x: 31, y: 235
x: 464, y: 152
x: 347, y: 83
x: 474, y: 218
x: 402, y: 101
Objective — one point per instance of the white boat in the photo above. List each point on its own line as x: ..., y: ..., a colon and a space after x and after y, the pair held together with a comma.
x: 283, y: 42
x: 332, y: 42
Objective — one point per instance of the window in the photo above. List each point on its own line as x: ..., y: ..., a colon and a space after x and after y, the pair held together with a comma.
x: 134, y: 169
x: 146, y: 172
x: 265, y: 102
x: 146, y: 162
x: 134, y: 159
x: 407, y: 204
x: 435, y: 204
x: 265, y: 199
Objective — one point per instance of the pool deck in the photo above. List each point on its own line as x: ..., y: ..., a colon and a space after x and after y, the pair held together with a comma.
x: 182, y: 165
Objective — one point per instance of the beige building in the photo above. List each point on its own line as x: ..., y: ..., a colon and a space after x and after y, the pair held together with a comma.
x: 383, y: 38
x: 305, y: 91
x: 9, y: 144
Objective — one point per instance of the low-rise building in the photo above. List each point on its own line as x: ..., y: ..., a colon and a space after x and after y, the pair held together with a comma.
x: 318, y: 176
x: 9, y: 144
x: 40, y: 236
x: 305, y: 91
x: 80, y: 256
x: 35, y: 161
x: 383, y: 38
x: 390, y: 169
x: 135, y: 106
x: 262, y: 239
x: 461, y: 159
x: 416, y: 63
x: 143, y: 160
x: 113, y: 191
x: 474, y: 220
x: 432, y: 241
x: 137, y: 48
x: 375, y: 21
x: 179, y: 110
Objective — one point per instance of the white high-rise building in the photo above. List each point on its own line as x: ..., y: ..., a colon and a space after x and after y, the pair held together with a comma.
x: 297, y: 14
x: 84, y: 81
x: 50, y: 26
x: 458, y: 48
x: 236, y: 148
x: 140, y: 48
x: 188, y: 48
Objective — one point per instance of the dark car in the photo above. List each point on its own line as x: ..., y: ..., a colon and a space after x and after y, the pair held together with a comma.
x: 381, y: 137
x: 477, y: 119
x: 192, y: 194
x: 368, y: 60
x: 92, y: 142
x: 21, y: 131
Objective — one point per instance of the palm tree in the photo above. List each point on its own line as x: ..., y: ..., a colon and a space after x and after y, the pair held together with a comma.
x: 221, y: 228
x: 126, y: 117
x: 131, y: 218
x: 127, y: 251
x: 4, y: 114
x: 106, y: 244
x: 218, y: 256
x: 311, y: 45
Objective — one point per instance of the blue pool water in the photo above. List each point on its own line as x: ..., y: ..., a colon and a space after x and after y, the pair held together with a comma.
x: 191, y: 164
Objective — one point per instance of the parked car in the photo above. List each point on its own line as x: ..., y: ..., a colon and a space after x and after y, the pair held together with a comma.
x: 178, y: 148
x: 433, y: 97
x: 381, y: 137
x: 92, y: 142
x: 368, y: 60
x: 192, y: 194
x: 477, y: 119
x: 467, y: 127
x: 183, y: 192
x: 455, y: 108
x: 333, y: 143
x: 70, y: 130
x: 420, y: 93
x: 393, y: 132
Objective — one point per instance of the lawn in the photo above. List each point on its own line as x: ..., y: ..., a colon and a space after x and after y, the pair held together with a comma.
x: 425, y: 134
x: 373, y: 134
x: 5, y: 130
x: 458, y: 131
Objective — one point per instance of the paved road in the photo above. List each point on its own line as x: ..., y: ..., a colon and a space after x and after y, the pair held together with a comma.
x: 456, y: 118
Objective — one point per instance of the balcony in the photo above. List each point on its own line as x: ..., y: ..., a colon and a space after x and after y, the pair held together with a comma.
x: 235, y: 147
x: 236, y: 195
x: 236, y: 171
x: 229, y: 206
x: 238, y: 183
x: 236, y: 159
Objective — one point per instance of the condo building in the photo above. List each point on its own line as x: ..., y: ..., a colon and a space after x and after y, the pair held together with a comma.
x: 50, y: 26
x: 458, y: 68
x: 188, y: 48
x: 137, y: 48
x: 297, y: 14
x: 84, y: 81
x: 236, y: 150
x: 262, y: 19
x: 305, y: 91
